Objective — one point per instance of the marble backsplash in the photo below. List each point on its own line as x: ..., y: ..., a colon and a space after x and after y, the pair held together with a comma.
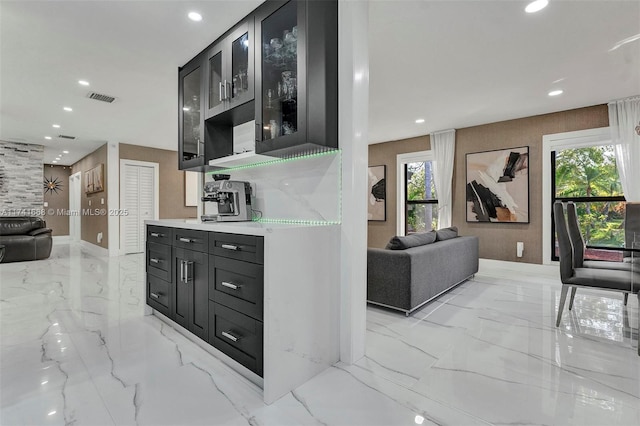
x: 297, y: 189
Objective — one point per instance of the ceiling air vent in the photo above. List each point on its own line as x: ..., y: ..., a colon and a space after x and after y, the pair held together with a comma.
x: 100, y: 97
x: 66, y: 137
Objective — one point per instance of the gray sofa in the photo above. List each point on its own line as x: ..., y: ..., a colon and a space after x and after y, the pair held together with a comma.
x: 406, y: 279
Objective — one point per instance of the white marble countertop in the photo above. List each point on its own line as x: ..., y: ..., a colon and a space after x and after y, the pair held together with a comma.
x: 247, y: 228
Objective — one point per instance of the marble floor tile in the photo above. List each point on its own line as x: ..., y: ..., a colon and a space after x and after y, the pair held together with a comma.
x: 76, y: 348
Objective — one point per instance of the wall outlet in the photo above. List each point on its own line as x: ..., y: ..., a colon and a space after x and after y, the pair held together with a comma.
x: 89, y: 203
x: 46, y: 204
x: 519, y: 248
x: 99, y: 237
x: 101, y: 200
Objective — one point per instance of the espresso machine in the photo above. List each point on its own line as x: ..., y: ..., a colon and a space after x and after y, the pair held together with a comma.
x: 226, y: 201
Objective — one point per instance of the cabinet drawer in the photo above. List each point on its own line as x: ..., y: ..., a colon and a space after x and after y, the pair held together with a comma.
x: 240, y: 247
x: 159, y: 261
x: 237, y: 285
x: 159, y: 234
x: 237, y: 335
x: 191, y: 239
x: 158, y: 292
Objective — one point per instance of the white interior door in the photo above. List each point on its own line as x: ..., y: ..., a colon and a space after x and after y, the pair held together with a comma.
x: 139, y: 199
x: 74, y: 207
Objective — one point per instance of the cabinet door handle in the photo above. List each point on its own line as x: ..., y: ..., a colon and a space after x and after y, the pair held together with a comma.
x: 186, y: 240
x: 155, y: 296
x: 227, y: 89
x: 229, y: 247
x: 230, y: 285
x: 154, y: 260
x: 230, y: 336
x: 155, y: 234
x: 182, y: 271
x: 188, y: 271
x: 220, y: 90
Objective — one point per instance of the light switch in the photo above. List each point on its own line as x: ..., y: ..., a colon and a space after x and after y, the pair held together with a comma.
x: 101, y: 200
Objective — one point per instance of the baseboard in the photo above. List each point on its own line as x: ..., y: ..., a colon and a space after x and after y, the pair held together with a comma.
x: 94, y: 249
x: 521, y: 267
x: 61, y: 239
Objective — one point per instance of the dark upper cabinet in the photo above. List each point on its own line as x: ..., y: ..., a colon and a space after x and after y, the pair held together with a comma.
x: 296, y: 77
x: 230, y: 70
x: 191, y: 144
x: 278, y: 66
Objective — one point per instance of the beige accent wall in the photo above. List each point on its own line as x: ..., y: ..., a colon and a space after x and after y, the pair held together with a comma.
x: 171, y: 179
x: 92, y: 221
x: 57, y: 203
x: 385, y: 154
x: 497, y: 240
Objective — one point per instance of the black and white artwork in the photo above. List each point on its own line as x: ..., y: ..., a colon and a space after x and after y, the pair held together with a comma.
x: 377, y: 193
x: 498, y: 186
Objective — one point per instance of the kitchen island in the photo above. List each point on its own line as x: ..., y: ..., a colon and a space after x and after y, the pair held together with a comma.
x: 262, y: 297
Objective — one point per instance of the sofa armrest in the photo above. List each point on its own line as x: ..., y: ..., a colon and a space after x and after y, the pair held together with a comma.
x: 389, y: 277
x: 40, y: 231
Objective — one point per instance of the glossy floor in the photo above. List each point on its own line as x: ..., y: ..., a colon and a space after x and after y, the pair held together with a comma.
x: 76, y: 348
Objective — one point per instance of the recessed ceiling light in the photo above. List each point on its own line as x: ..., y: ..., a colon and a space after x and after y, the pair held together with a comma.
x: 195, y: 16
x: 67, y: 109
x: 58, y: 159
x: 420, y: 120
x: 83, y: 82
x: 54, y: 162
x: 536, y: 6
x: 57, y: 126
x: 555, y: 92
x: 47, y: 137
x: 65, y: 152
x: 51, y: 413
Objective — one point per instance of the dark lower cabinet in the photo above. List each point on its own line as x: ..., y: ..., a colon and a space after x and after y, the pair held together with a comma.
x: 211, y: 284
x: 237, y: 335
x: 192, y: 291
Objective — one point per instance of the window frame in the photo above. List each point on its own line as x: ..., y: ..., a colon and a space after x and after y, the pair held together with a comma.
x: 556, y: 142
x: 401, y: 186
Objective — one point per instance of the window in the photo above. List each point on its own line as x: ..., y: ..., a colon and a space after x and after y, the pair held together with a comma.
x: 588, y: 177
x: 421, y: 203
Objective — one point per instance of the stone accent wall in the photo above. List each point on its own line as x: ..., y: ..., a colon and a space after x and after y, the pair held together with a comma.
x: 21, y: 179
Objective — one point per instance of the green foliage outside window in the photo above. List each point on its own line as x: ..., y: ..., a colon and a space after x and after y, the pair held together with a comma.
x: 420, y: 186
x: 592, y: 172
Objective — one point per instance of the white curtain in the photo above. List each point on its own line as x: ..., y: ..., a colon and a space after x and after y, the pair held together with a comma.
x: 624, y: 117
x: 443, y: 145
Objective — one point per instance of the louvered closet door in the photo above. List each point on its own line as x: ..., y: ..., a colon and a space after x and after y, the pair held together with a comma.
x: 138, y: 186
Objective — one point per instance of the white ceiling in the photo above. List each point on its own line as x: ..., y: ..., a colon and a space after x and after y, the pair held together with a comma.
x: 463, y: 63
x: 453, y: 63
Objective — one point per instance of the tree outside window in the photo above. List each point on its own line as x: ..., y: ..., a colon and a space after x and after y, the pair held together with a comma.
x: 421, y: 200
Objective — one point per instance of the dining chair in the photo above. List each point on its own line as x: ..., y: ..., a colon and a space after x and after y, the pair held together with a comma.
x: 570, y: 276
x: 578, y: 249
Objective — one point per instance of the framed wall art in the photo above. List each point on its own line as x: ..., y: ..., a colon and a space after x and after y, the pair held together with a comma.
x: 94, y: 179
x: 377, y: 193
x: 498, y: 186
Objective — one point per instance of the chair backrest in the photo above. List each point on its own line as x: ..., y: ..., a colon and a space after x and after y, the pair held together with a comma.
x: 632, y: 224
x: 564, y: 244
x: 577, y: 242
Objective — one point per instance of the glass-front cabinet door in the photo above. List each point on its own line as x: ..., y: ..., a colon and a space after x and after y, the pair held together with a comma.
x: 191, y: 135
x: 230, y: 70
x: 216, y: 81
x: 241, y: 60
x: 281, y: 106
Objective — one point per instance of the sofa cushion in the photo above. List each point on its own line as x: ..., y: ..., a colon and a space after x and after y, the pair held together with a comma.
x: 411, y: 240
x: 446, y: 233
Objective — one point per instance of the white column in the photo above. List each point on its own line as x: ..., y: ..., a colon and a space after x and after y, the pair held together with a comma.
x: 113, y: 196
x: 353, y: 85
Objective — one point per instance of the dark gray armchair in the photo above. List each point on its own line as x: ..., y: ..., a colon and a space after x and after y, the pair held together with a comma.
x: 24, y: 238
x: 603, y: 279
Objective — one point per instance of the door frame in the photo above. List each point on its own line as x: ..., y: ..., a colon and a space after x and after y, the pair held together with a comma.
x: 75, y: 193
x: 156, y: 189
